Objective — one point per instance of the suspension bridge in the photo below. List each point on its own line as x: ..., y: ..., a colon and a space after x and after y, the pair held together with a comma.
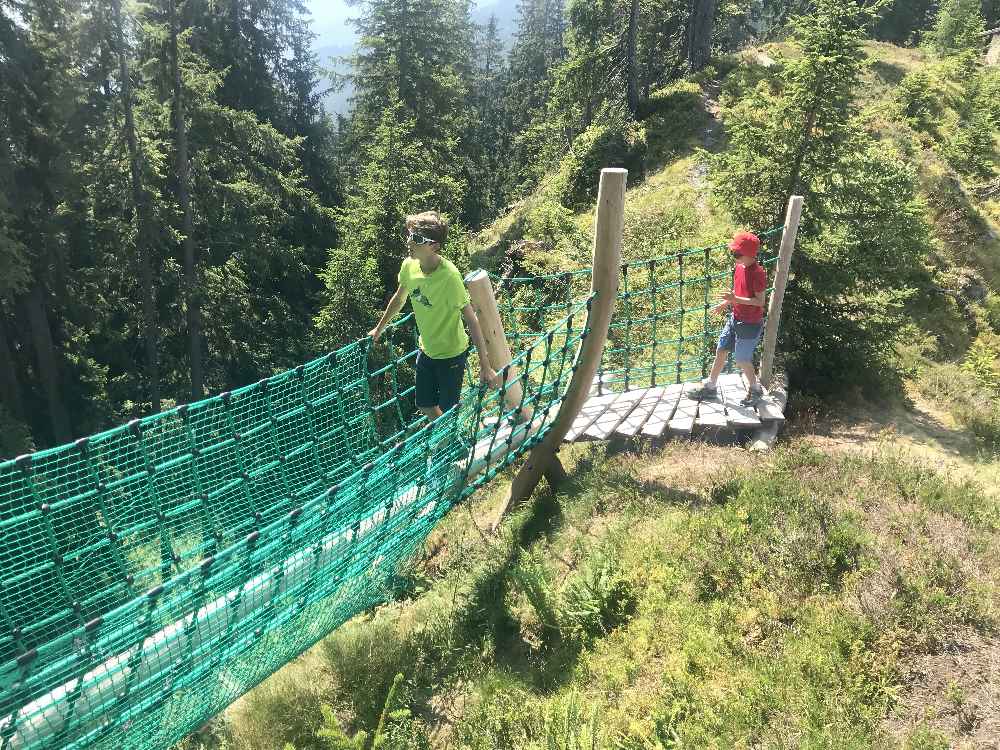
x: 153, y: 573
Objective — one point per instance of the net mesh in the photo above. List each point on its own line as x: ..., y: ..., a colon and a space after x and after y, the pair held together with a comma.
x: 662, y: 331
x: 153, y: 573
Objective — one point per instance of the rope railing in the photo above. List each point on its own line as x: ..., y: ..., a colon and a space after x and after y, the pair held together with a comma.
x: 663, y: 332
x: 153, y: 573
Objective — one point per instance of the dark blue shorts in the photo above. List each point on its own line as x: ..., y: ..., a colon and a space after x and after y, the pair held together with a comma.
x: 439, y: 381
x: 740, y: 338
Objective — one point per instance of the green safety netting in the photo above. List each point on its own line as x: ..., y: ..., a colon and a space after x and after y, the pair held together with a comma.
x: 151, y: 574
x: 662, y: 331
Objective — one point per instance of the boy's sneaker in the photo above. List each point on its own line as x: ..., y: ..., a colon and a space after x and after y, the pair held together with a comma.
x: 707, y: 389
x: 753, y: 397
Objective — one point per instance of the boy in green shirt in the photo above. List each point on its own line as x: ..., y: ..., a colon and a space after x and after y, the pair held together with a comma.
x: 440, y: 302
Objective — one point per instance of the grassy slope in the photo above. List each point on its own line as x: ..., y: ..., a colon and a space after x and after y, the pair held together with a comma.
x: 697, y: 596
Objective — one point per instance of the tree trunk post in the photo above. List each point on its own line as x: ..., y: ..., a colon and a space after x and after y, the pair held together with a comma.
x: 143, y: 242
x: 788, y: 237
x: 608, y: 235
x: 10, y: 387
x: 484, y: 302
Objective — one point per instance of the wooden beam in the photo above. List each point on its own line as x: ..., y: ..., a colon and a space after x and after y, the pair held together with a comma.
x: 608, y: 235
x: 682, y: 421
x: 640, y: 414
x: 788, y: 237
x: 763, y: 438
x: 484, y: 302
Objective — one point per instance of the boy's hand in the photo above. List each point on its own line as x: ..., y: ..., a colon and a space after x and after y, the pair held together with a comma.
x: 729, y: 297
x: 489, y: 376
x: 376, y: 334
x: 719, y: 308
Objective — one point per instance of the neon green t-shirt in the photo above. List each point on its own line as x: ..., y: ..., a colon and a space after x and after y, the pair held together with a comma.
x: 437, y: 299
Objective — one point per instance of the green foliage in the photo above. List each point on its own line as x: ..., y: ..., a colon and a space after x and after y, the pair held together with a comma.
x: 958, y: 28
x: 982, y: 361
x: 925, y: 738
x: 614, y: 141
x: 334, y: 737
x: 919, y: 100
x: 972, y: 406
x: 905, y: 21
x: 768, y: 534
x: 15, y: 439
x: 590, y: 603
x: 597, y: 599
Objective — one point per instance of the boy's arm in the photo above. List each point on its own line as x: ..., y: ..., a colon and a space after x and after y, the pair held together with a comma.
x: 757, y: 300
x: 391, y: 311
x: 486, y: 373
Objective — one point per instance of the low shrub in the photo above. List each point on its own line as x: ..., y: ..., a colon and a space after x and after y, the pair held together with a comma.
x: 613, y: 140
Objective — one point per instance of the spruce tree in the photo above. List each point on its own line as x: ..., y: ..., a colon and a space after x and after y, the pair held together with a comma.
x: 958, y: 28
x: 862, y: 233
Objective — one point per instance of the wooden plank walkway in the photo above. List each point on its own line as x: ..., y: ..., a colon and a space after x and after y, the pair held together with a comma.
x: 663, y: 412
x: 732, y: 389
x: 672, y: 409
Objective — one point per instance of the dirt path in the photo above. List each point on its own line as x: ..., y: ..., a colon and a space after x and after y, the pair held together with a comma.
x: 923, y: 433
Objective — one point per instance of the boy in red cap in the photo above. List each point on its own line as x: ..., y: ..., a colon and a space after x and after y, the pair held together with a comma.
x: 746, y: 323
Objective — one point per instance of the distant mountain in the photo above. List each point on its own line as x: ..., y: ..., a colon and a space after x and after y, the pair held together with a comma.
x: 335, y: 102
x: 504, y: 10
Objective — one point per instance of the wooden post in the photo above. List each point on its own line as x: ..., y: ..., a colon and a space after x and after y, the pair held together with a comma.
x: 608, y: 235
x: 484, y: 302
x: 788, y: 236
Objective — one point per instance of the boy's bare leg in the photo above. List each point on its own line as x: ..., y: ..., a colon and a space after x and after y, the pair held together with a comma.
x: 750, y: 374
x: 720, y: 361
x: 432, y: 412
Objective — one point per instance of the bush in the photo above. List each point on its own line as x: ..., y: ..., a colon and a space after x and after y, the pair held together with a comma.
x: 970, y: 404
x: 919, y: 100
x: 959, y: 27
x: 612, y: 141
x: 593, y: 601
x: 982, y: 361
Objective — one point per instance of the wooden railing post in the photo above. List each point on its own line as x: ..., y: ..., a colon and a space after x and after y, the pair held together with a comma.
x: 484, y: 302
x: 788, y: 237
x: 608, y: 234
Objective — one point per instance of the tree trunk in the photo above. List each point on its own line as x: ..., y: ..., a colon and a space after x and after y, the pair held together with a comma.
x: 631, y: 65
x: 140, y: 200
x: 33, y: 304
x: 192, y: 288
x: 10, y: 387
x: 700, y: 26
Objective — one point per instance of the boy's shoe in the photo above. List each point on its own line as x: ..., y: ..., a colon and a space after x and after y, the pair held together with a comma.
x: 706, y: 390
x: 753, y: 397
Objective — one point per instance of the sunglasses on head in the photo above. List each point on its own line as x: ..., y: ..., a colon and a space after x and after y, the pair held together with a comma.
x: 419, y: 239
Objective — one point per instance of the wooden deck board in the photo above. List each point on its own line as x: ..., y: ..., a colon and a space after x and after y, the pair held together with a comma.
x: 711, y: 412
x: 682, y: 422
x: 732, y: 388
x: 642, y: 411
x: 770, y: 408
x: 589, y: 414
x: 615, y: 414
x: 663, y: 411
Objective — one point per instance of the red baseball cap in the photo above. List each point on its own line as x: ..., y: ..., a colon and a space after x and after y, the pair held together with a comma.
x: 745, y: 243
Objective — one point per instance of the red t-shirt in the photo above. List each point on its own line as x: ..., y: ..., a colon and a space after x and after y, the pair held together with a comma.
x: 749, y: 281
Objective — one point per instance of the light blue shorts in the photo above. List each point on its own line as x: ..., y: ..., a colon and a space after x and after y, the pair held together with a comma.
x: 740, y: 338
